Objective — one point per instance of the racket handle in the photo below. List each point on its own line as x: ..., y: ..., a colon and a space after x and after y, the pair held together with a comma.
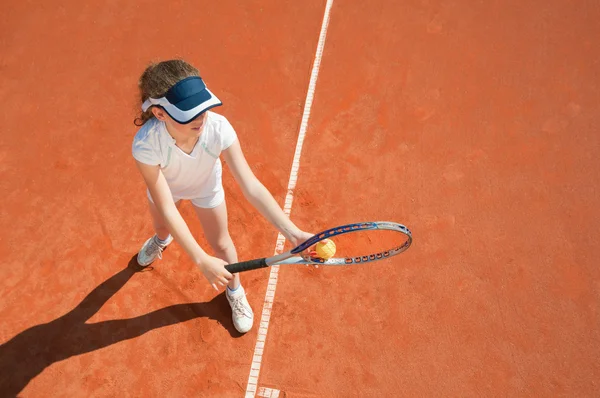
x: 247, y: 265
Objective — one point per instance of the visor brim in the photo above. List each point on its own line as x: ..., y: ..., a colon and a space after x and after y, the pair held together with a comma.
x: 188, y: 109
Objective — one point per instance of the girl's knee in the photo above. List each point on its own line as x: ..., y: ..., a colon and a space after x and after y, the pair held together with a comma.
x: 223, y: 244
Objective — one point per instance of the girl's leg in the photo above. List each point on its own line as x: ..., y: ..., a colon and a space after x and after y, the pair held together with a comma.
x: 153, y: 248
x: 160, y: 226
x: 214, y: 224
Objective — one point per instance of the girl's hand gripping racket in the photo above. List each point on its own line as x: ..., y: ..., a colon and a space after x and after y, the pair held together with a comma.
x: 360, y: 242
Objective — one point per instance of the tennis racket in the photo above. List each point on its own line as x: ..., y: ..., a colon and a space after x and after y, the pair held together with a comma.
x: 370, y: 236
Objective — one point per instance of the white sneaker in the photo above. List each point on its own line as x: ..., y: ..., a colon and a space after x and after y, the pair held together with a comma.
x: 151, y: 250
x: 242, y: 314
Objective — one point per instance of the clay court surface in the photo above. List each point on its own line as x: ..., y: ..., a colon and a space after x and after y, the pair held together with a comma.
x: 475, y: 124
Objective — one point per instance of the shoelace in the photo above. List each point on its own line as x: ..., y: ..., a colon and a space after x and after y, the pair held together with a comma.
x: 153, y: 247
x: 238, y: 308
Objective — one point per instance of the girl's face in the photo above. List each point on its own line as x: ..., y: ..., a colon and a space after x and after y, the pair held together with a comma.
x: 181, y: 131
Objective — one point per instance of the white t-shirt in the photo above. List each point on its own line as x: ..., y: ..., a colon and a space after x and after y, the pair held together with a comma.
x: 197, y: 175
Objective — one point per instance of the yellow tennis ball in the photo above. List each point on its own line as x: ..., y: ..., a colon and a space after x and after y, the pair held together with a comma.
x: 325, y: 249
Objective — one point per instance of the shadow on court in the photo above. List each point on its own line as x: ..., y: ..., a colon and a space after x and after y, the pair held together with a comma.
x: 27, y: 354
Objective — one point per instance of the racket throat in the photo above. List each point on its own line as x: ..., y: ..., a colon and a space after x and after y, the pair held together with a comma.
x: 279, y: 258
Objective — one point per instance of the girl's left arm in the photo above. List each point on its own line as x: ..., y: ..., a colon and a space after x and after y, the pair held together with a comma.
x: 260, y: 197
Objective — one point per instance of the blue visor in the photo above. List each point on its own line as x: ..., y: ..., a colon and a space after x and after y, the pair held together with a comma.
x: 186, y: 100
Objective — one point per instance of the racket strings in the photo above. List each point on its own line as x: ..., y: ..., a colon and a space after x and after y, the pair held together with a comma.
x: 363, y: 245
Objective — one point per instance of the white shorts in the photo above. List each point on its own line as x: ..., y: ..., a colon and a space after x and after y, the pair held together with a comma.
x: 207, y: 202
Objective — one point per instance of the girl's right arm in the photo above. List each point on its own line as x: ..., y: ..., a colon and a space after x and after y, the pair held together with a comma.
x: 213, y: 268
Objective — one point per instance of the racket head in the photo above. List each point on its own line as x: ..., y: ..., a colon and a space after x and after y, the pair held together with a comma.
x: 404, y: 244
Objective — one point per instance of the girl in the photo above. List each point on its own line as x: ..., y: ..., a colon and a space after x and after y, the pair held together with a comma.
x: 177, y: 152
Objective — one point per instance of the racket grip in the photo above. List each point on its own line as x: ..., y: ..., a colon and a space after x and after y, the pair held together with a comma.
x: 247, y: 265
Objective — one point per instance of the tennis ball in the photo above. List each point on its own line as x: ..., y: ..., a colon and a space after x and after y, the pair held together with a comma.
x: 325, y: 249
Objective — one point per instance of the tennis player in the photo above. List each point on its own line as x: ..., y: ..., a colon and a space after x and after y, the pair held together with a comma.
x: 177, y: 150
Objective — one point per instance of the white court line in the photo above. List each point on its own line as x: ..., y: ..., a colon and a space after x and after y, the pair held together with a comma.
x: 268, y: 393
x: 252, y: 386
